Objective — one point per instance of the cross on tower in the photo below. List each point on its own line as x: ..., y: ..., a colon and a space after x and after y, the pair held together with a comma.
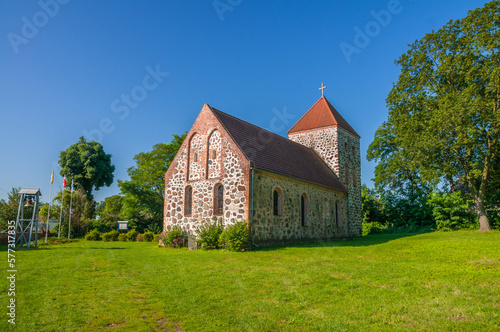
x: 322, y: 90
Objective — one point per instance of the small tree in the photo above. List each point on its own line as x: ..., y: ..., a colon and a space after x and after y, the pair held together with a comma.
x: 89, y: 166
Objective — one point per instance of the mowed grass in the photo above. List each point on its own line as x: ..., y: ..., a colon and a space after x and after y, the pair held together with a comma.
x: 428, y: 282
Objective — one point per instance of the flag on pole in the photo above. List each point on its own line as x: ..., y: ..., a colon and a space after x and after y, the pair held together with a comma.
x: 71, y: 185
x: 52, y: 177
x: 64, y: 182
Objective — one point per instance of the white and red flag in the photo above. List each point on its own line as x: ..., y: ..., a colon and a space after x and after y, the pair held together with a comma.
x: 64, y: 182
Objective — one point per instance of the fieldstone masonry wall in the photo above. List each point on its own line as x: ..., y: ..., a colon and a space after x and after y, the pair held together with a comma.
x: 341, y: 152
x: 228, y: 168
x: 350, y: 175
x: 214, y: 150
x: 323, y: 225
x: 209, y: 157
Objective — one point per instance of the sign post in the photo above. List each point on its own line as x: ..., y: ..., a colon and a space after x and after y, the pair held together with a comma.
x: 123, y: 226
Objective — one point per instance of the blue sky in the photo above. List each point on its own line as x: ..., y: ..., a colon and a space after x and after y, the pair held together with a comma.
x: 132, y: 73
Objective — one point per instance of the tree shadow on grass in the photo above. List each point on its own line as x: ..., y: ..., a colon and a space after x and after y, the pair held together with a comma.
x: 369, y: 240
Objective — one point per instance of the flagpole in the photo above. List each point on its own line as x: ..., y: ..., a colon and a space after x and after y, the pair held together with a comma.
x: 60, y: 214
x: 70, y: 213
x: 50, y: 201
x: 62, y: 203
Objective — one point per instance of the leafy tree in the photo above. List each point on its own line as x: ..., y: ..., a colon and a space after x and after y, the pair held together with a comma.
x: 110, y: 208
x: 444, y: 110
x: 144, y: 193
x: 54, y: 212
x: 371, y: 206
x: 79, y: 209
x: 408, y: 212
x: 88, y: 165
x: 450, y: 211
x: 8, y: 209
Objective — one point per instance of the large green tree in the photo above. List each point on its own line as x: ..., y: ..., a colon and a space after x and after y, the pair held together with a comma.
x: 144, y: 193
x: 88, y: 165
x: 444, y: 110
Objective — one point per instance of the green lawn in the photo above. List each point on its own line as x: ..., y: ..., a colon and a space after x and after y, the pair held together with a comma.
x: 428, y: 282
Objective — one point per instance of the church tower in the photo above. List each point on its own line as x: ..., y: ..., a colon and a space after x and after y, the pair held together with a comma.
x: 324, y: 130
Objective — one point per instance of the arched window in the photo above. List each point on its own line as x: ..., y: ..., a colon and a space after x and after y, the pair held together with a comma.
x: 304, y: 210
x: 354, y: 177
x: 214, y: 154
x: 278, y: 202
x: 188, y: 201
x: 338, y: 214
x: 219, y: 199
x: 195, y: 170
x: 326, y: 213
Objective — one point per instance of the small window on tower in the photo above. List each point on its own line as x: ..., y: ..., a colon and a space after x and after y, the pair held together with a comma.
x: 195, y: 157
x: 214, y: 154
x: 353, y: 151
x: 354, y: 177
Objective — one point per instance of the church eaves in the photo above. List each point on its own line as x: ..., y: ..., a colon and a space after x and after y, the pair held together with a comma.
x: 321, y: 115
x: 273, y: 153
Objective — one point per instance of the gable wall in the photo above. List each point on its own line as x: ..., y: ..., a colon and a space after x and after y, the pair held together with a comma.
x: 229, y: 168
x: 268, y: 228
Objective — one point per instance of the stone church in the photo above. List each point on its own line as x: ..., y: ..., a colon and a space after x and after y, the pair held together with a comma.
x: 300, y: 189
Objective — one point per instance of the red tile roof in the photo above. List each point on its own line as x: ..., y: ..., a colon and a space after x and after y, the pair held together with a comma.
x: 273, y: 153
x: 322, y: 114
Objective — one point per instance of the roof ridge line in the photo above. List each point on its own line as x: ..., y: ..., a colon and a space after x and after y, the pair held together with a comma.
x: 260, y: 128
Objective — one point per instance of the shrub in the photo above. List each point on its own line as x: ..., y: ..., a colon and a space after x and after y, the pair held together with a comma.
x: 157, y: 238
x: 209, y: 234
x: 173, y: 238
x: 154, y: 228
x: 122, y: 237
x: 110, y: 236
x: 140, y: 237
x: 148, y: 236
x: 235, y: 237
x: 132, y: 235
x: 106, y: 237
x: 373, y: 228
x: 451, y: 211
x: 114, y: 235
x: 93, y: 235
